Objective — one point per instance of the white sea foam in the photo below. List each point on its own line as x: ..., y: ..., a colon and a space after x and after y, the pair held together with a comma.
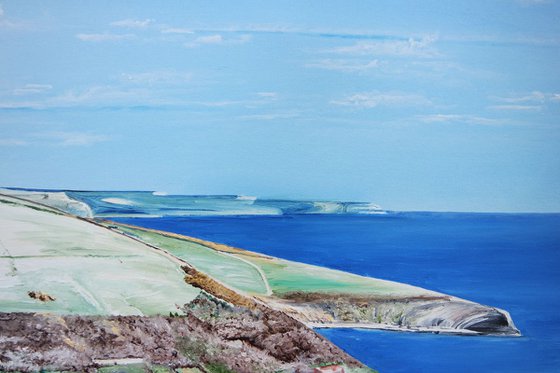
x: 118, y: 201
x: 159, y: 193
x: 128, y: 216
x: 246, y: 198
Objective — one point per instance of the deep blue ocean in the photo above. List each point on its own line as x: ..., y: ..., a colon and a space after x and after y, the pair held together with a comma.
x: 510, y: 261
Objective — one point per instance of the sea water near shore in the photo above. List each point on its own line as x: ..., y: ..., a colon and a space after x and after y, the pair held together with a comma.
x: 510, y: 261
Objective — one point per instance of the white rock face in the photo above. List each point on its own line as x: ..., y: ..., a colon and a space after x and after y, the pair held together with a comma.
x: 58, y: 200
x: 88, y: 269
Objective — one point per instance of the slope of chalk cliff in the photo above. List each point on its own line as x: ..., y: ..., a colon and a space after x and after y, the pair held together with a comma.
x: 322, y: 297
x: 76, y: 296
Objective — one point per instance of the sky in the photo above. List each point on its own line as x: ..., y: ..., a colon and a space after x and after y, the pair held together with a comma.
x: 413, y: 105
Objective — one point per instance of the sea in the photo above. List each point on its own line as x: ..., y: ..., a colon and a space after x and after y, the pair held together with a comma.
x: 509, y: 261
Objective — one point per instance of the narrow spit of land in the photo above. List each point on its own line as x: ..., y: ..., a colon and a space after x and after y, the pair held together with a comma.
x: 100, y: 297
x: 93, y: 269
x: 321, y: 297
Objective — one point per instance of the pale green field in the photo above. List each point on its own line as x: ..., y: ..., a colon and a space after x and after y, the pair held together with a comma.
x: 88, y: 269
x: 286, y: 276
x: 228, y: 269
x: 282, y: 276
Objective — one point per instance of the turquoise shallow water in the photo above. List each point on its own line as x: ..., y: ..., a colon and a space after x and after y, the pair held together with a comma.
x: 510, y: 261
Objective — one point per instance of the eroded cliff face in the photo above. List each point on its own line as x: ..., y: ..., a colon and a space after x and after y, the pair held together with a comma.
x: 439, y: 313
x: 432, y: 314
x: 213, y: 333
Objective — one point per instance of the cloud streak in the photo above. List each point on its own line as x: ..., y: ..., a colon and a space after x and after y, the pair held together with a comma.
x: 422, y: 47
x: 217, y: 39
x: 169, y: 77
x: 346, y: 65
x: 147, y: 90
x: 32, y: 89
x: 369, y: 100
x: 132, y: 23
x: 532, y: 101
x: 73, y: 138
x: 13, y: 142
x: 104, y: 37
x: 516, y: 107
x: 459, y: 118
x: 175, y: 30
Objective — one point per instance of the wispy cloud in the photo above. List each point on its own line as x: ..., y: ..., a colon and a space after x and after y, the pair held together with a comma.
x: 516, y: 107
x: 422, y: 47
x: 459, y: 118
x: 11, y: 24
x: 71, y: 138
x: 149, y: 90
x: 89, y: 97
x: 104, y: 37
x: 535, y: 96
x: 217, y: 39
x: 176, y: 30
x: 13, y: 142
x: 533, y: 2
x: 103, y: 95
x: 209, y: 39
x: 170, y: 77
x: 56, y: 138
x: 346, y: 65
x: 370, y: 100
x: 532, y: 101
x: 132, y: 23
x: 270, y: 116
x: 32, y: 89
x: 269, y: 95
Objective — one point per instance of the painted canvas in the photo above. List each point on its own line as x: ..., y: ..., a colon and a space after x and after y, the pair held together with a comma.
x: 284, y: 186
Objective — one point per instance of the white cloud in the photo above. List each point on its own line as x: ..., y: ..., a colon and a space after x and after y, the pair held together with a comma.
x: 373, y: 99
x: 13, y: 142
x: 410, y: 47
x: 31, y: 89
x: 269, y: 95
x: 532, y: 101
x: 217, y: 39
x: 157, y: 89
x: 56, y: 139
x: 104, y: 37
x: 157, y: 77
x: 517, y: 107
x: 132, y: 23
x: 96, y: 96
x: 345, y: 65
x: 459, y: 118
x: 176, y: 30
x: 210, y: 39
x: 101, y: 95
x: 535, y: 96
x: 534, y: 2
x: 71, y: 138
x: 269, y: 116
x: 10, y: 24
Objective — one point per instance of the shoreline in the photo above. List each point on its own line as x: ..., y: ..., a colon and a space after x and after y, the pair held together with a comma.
x: 302, y: 313
x: 218, y: 327
x: 313, y: 311
x: 390, y: 328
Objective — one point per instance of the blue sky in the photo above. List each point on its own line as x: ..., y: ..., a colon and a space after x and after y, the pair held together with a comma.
x: 414, y: 105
